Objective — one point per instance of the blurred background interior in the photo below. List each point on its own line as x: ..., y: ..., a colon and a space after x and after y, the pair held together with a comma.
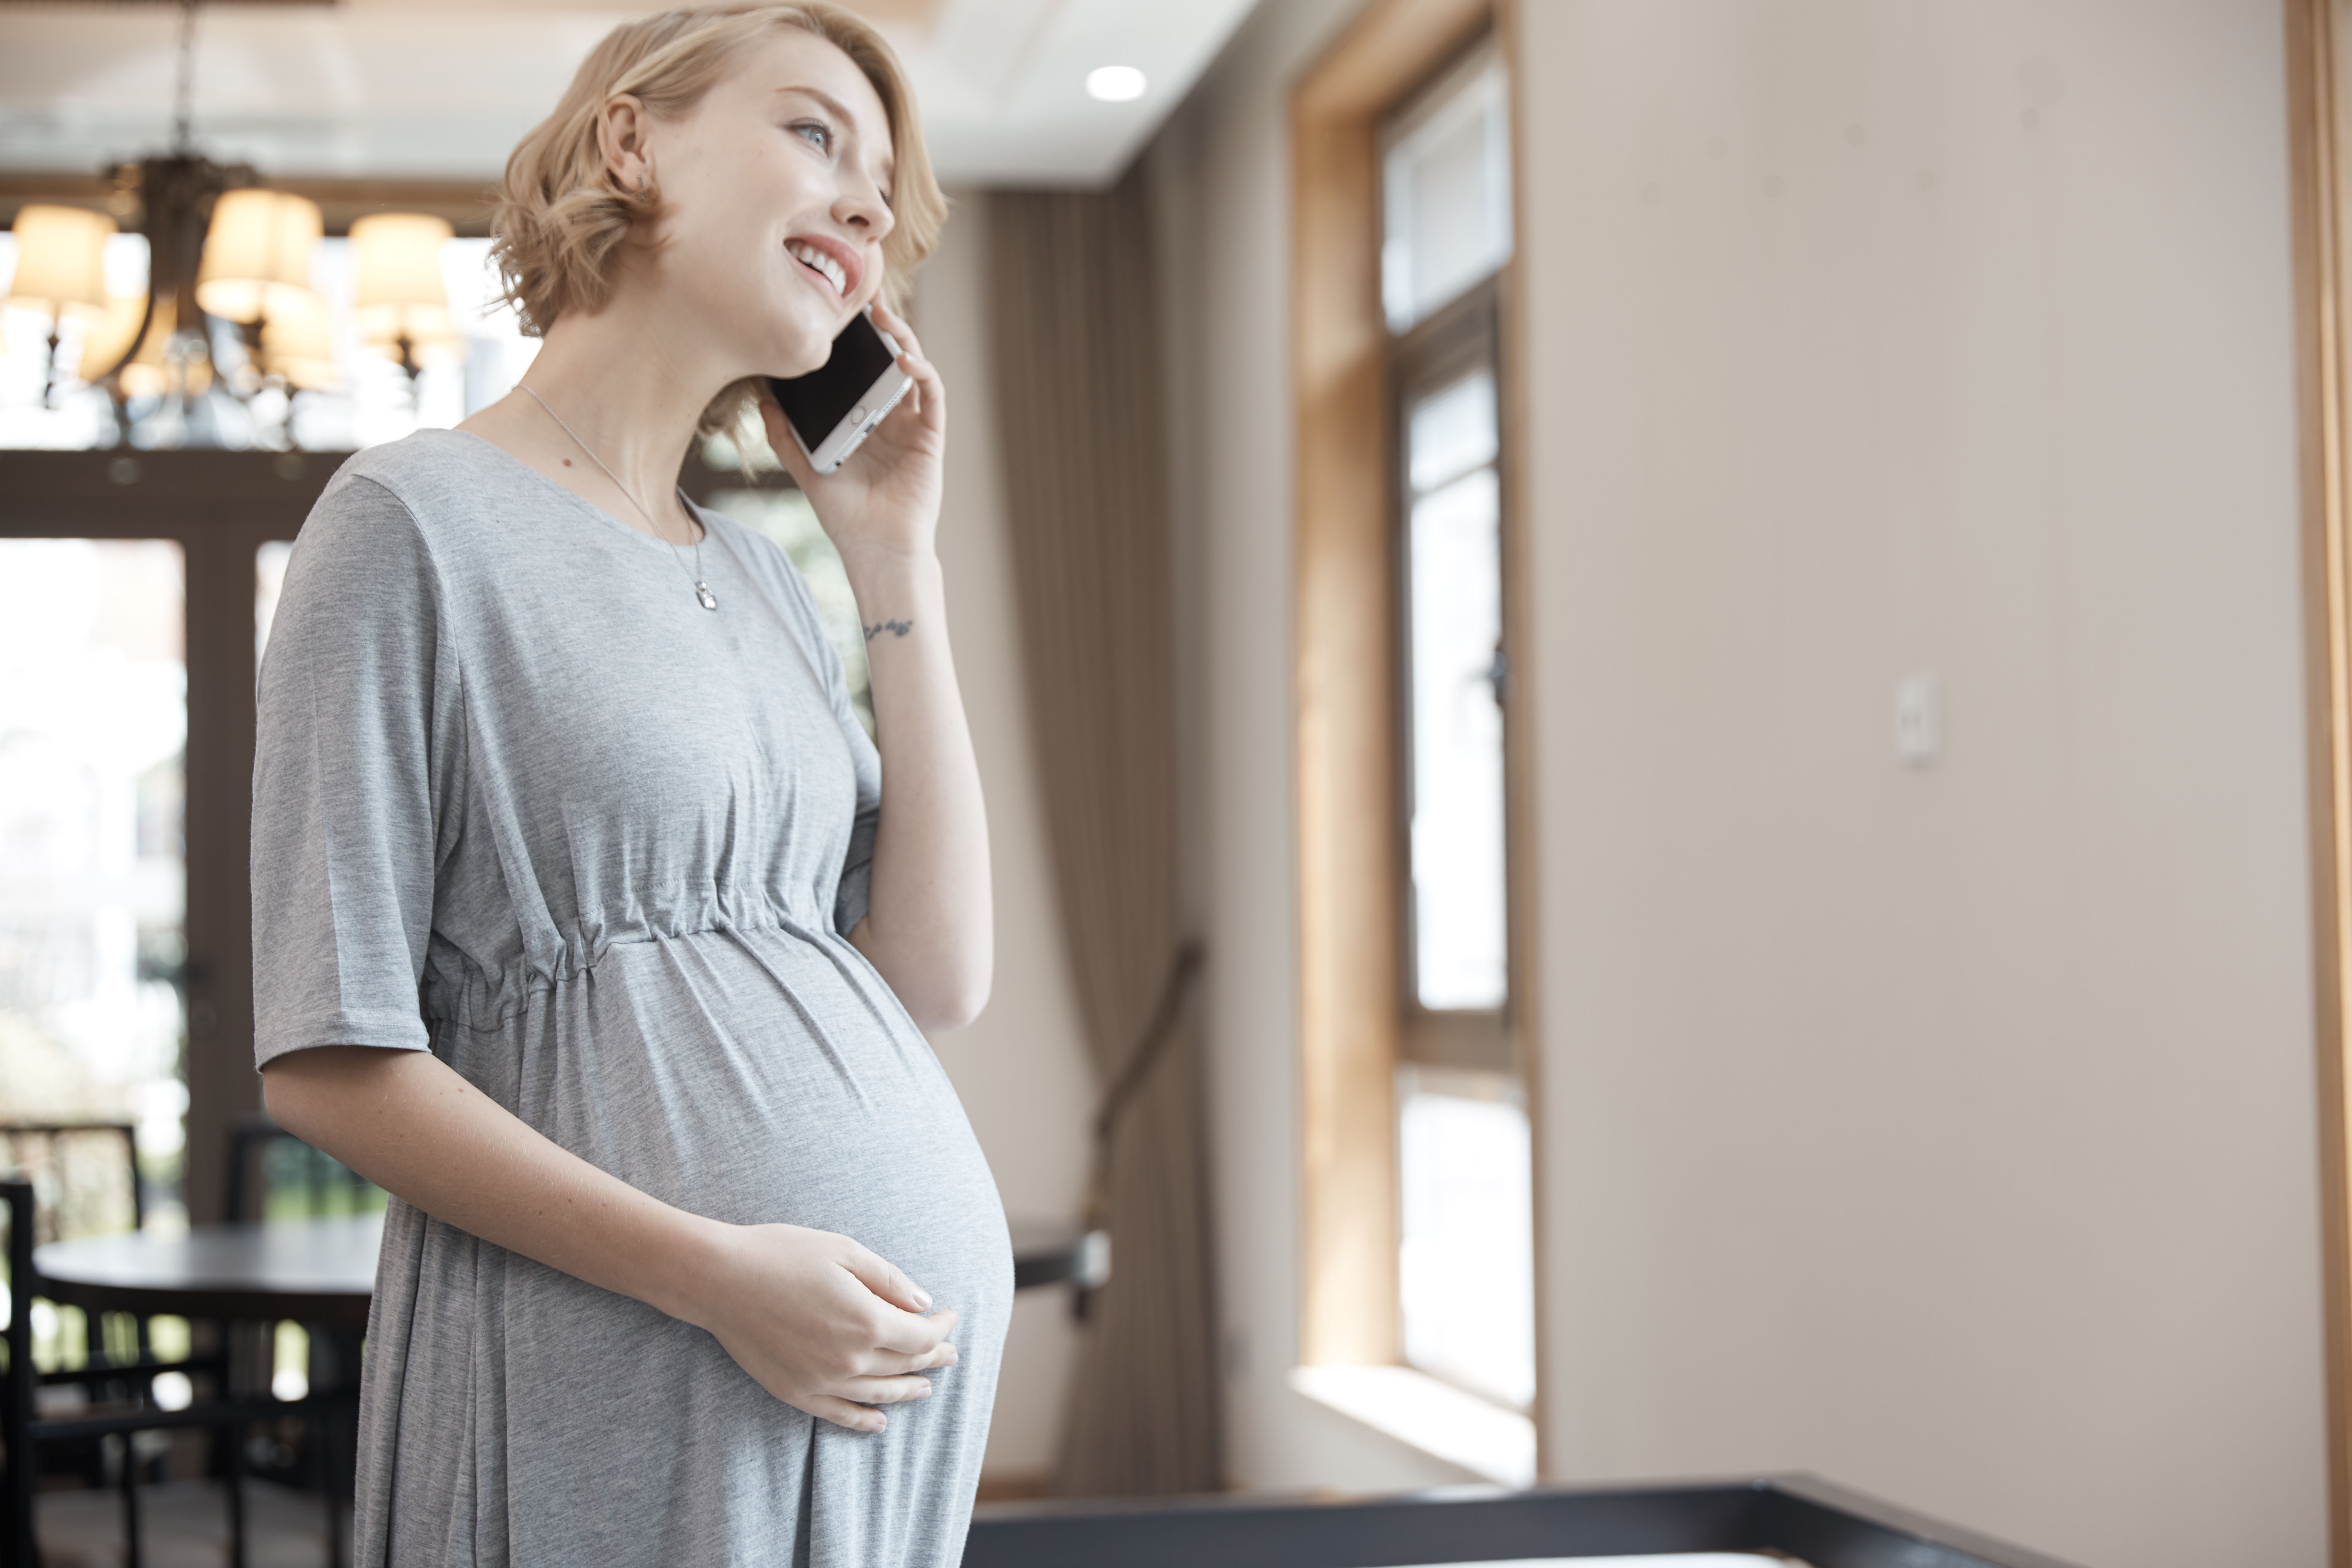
x: 1677, y: 807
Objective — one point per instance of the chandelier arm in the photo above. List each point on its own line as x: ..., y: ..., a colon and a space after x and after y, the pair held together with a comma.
x: 184, y: 90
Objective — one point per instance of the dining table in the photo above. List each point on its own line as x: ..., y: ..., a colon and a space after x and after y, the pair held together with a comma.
x: 304, y: 1270
x: 322, y: 1271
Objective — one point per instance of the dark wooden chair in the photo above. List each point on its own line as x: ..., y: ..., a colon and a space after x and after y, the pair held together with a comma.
x: 86, y: 1182
x: 116, y: 1383
x: 66, y: 1190
x: 273, y: 1175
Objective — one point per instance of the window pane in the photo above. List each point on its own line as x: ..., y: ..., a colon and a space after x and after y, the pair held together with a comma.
x: 1456, y: 835
x: 93, y: 884
x: 1446, y: 192
x: 1454, y: 431
x: 269, y: 582
x: 1466, y: 1266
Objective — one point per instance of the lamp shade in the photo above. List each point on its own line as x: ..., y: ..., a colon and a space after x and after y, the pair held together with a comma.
x: 298, y: 340
x: 400, y: 294
x: 108, y: 336
x: 258, y: 249
x: 61, y: 260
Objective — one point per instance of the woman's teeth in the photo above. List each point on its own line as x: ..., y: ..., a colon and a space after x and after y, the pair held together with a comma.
x: 810, y: 256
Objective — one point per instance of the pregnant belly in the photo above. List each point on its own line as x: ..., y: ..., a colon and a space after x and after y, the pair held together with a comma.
x: 758, y: 1078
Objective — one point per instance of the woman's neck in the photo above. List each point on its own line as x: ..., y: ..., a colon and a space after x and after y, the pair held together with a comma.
x: 617, y: 401
x: 627, y: 393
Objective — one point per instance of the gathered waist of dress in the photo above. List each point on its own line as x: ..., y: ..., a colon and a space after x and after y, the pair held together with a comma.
x: 458, y: 984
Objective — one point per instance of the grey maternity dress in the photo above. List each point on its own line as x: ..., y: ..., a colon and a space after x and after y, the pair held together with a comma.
x: 520, y: 801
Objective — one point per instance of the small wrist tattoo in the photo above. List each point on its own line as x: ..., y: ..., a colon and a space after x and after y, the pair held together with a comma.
x: 895, y: 629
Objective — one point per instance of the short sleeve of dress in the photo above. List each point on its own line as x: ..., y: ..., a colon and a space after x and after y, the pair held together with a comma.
x: 357, y: 753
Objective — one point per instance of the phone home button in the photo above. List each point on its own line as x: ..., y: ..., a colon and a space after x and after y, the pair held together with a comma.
x: 857, y: 415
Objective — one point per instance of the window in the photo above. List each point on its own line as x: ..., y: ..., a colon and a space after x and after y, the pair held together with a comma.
x: 1466, y: 1265
x: 1417, y: 1309
x: 93, y: 875
x: 1446, y: 189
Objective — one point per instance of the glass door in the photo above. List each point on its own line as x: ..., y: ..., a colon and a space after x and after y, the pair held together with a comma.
x: 93, y: 876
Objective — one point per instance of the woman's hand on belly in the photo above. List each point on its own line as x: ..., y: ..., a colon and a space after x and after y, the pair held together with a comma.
x: 818, y: 1321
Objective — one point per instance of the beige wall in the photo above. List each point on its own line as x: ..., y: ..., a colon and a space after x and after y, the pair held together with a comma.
x: 1948, y: 1132
x: 1021, y: 1067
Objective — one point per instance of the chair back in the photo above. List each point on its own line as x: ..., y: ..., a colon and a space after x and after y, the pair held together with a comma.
x: 17, y: 1384
x: 274, y: 1174
x: 84, y: 1176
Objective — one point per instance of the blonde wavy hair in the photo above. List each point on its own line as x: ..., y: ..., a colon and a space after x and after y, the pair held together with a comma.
x: 560, y: 217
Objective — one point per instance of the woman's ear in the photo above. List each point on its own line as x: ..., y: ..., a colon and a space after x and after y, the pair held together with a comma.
x: 621, y: 136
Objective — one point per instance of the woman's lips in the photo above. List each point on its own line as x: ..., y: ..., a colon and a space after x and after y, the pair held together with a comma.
x: 829, y: 259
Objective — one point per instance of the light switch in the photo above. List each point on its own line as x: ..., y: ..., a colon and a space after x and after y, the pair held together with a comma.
x: 1918, y: 718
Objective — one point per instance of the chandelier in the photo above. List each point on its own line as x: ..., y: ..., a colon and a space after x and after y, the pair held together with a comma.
x: 222, y: 245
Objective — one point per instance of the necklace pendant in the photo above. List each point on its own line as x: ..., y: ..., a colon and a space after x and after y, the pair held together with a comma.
x: 702, y: 592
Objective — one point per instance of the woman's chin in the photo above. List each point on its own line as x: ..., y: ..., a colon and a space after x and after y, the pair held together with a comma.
x: 800, y: 350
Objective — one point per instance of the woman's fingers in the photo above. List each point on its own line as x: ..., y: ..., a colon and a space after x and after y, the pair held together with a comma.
x: 912, y: 1335
x: 885, y: 1390
x: 842, y: 1412
x: 911, y: 359
x: 890, y: 321
x: 886, y: 1280
x: 896, y: 1363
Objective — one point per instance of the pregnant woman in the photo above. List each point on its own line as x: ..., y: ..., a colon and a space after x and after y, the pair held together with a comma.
x: 583, y: 922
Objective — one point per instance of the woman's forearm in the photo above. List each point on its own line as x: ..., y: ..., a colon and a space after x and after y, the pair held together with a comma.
x: 928, y: 924
x: 411, y: 1124
x: 817, y: 1319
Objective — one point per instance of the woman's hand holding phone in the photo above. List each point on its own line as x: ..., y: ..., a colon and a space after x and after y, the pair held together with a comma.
x: 884, y: 497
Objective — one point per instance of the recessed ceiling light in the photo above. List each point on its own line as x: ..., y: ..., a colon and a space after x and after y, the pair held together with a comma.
x: 1115, y: 84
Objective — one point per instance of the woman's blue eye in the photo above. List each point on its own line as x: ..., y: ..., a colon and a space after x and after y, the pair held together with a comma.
x: 817, y: 132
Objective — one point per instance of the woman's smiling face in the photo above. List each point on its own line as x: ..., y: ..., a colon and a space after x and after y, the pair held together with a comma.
x: 774, y: 201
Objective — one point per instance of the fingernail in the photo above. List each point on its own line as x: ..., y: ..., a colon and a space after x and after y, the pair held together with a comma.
x: 922, y: 1299
x: 877, y: 1423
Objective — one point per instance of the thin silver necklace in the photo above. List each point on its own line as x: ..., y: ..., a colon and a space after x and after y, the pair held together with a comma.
x: 708, y: 600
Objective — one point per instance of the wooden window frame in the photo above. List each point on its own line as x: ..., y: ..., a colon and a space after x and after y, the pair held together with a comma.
x: 2319, y: 138
x: 1346, y: 651
x: 1450, y: 342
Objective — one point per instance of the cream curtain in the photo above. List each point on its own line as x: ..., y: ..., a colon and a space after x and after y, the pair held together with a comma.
x: 1079, y: 408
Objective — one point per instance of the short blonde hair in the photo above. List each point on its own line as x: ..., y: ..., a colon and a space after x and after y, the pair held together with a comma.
x: 561, y: 216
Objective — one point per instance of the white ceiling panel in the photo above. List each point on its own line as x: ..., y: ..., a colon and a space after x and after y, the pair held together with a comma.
x: 394, y: 89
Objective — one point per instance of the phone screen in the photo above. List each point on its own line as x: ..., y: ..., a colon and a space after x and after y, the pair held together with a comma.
x: 819, y: 400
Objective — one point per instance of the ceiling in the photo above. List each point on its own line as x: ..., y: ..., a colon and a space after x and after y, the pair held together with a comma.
x: 402, y: 90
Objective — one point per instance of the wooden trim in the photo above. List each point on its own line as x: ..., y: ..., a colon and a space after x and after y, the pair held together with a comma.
x: 1519, y: 796
x: 467, y: 204
x: 1348, y: 981
x: 2315, y: 120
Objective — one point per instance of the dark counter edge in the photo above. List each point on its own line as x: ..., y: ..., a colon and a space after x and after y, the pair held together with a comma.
x: 1821, y: 1523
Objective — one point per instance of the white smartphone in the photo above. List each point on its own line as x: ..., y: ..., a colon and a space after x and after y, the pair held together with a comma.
x: 833, y: 409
